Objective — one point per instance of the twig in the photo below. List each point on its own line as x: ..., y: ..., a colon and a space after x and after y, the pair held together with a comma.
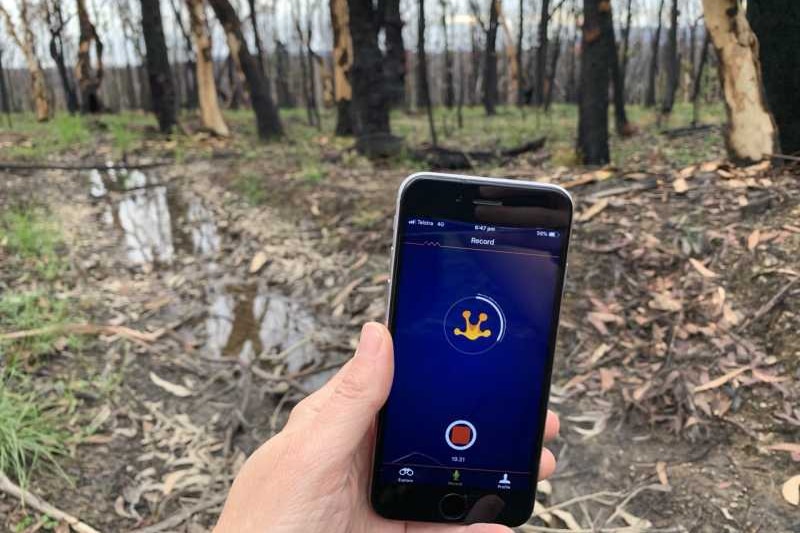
x: 183, y: 515
x: 621, y: 506
x: 96, y: 166
x: 767, y: 307
x: 263, y: 374
x: 28, y: 498
x: 572, y: 501
x: 785, y: 157
x: 85, y: 329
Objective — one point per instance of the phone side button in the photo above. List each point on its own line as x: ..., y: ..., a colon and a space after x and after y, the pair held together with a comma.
x: 453, y: 506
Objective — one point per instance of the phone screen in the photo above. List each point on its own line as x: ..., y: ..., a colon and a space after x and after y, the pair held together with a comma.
x: 473, y: 323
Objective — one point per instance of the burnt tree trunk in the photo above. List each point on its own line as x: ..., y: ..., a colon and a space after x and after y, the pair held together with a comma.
x: 268, y: 122
x: 89, y: 79
x: 751, y: 134
x: 162, y: 90
x: 777, y: 25
x: 395, y: 62
x: 342, y: 64
x: 191, y: 53
x: 5, y: 105
x: 552, y: 70
x: 522, y: 86
x: 54, y: 16
x: 541, y: 54
x: 626, y: 38
x: 697, y: 85
x: 371, y: 92
x: 593, y: 98
x: 422, y: 71
x: 571, y: 90
x: 621, y: 123
x: 449, y: 83
x: 260, y: 55
x: 490, y: 61
x: 673, y: 62
x: 650, y: 91
x: 285, y: 97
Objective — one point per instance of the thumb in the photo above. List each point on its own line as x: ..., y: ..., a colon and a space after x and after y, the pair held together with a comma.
x: 360, y: 391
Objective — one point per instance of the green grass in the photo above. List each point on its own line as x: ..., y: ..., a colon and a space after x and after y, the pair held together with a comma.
x: 33, y: 237
x: 251, y: 187
x: 29, y: 436
x: 31, y: 310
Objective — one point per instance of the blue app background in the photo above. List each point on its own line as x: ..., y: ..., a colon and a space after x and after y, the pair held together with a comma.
x: 438, y: 376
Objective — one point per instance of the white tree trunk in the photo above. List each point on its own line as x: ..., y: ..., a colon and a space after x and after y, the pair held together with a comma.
x: 210, y: 113
x: 751, y: 133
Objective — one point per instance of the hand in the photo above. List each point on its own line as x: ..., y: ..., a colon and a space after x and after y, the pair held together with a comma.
x: 312, y: 476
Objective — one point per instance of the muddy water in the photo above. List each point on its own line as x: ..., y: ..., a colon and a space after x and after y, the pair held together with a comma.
x: 159, y: 224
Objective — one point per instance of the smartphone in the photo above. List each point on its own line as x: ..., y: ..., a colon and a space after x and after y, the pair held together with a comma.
x: 478, y: 268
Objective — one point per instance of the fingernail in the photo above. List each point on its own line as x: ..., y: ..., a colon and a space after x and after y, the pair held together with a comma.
x: 371, y: 340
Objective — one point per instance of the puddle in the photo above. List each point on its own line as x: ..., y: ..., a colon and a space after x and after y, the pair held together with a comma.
x: 248, y: 322
x: 155, y: 220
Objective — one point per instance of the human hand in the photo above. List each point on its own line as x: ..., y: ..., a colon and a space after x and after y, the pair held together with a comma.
x: 313, y: 475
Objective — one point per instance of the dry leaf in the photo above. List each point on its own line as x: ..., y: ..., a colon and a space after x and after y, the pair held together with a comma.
x: 702, y: 269
x: 791, y: 490
x: 768, y: 378
x: 680, y: 185
x: 687, y: 172
x: 722, y: 380
x: 172, y: 388
x: 661, y: 470
x: 259, y: 260
x: 607, y: 378
x: 636, y: 522
x: 664, y: 301
x: 792, y: 448
x: 753, y: 239
x: 568, y: 519
x: 171, y: 479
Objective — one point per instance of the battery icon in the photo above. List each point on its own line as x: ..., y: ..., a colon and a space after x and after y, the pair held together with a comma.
x: 552, y: 234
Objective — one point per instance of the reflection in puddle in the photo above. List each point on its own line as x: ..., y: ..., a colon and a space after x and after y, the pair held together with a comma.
x: 147, y: 210
x: 246, y: 321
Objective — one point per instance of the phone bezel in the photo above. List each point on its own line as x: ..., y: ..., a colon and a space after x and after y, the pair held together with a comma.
x: 421, y: 502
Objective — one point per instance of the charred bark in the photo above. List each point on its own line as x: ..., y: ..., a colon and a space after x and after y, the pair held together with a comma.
x: 371, y: 87
x: 650, y: 91
x: 395, y: 62
x: 490, y: 61
x: 777, y: 25
x: 285, y: 97
x: 422, y: 71
x: 261, y: 56
x: 268, y: 122
x: 162, y: 89
x: 626, y: 37
x: 89, y: 79
x: 541, y: 54
x: 621, y: 123
x: 189, y: 66
x: 449, y: 83
x: 593, y: 99
x: 697, y: 85
x: 673, y: 61
x: 54, y: 16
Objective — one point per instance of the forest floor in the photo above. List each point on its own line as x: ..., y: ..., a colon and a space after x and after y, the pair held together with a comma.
x: 226, y: 283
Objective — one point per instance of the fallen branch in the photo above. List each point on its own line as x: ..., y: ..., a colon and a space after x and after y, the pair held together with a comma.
x: 85, y: 329
x: 183, y: 515
x: 689, y: 130
x: 90, y: 166
x: 450, y: 159
x: 30, y: 499
x: 767, y: 307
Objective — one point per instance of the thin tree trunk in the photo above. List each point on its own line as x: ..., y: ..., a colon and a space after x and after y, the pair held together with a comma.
x: 162, y: 90
x: 698, y: 78
x: 395, y: 61
x: 371, y: 94
x: 593, y: 100
x: 4, y: 100
x: 572, y: 90
x: 27, y: 44
x: 751, y: 133
x: 449, y: 87
x: 777, y: 25
x: 553, y: 69
x: 89, y: 80
x: 54, y: 17
x: 191, y: 54
x: 626, y: 35
x: 650, y: 91
x: 210, y: 113
x: 260, y: 55
x: 511, y: 54
x: 673, y: 62
x: 342, y: 64
x: 490, y: 61
x: 621, y: 123
x: 541, y: 54
x: 422, y: 71
x: 268, y: 122
x: 285, y: 98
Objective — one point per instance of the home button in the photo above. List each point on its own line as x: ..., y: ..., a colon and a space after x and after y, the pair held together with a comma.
x: 453, y: 506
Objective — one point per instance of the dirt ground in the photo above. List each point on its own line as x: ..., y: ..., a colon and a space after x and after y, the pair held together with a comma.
x: 677, y: 369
